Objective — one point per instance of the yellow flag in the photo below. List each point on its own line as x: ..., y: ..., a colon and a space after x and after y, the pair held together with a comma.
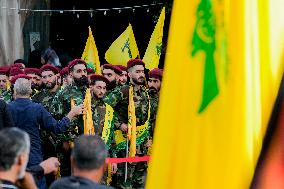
x: 90, y: 54
x: 87, y: 117
x: 223, y: 68
x: 154, y: 49
x: 131, y: 124
x: 123, y: 48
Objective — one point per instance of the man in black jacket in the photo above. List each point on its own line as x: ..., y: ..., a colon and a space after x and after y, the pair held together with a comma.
x: 88, y: 161
x: 5, y: 115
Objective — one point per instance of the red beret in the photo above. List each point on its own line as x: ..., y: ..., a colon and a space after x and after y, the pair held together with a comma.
x: 64, y: 71
x: 32, y: 71
x: 15, y: 71
x: 134, y: 62
x: 156, y: 73
x: 18, y: 65
x: 76, y: 61
x: 123, y: 68
x: 95, y: 77
x: 49, y: 67
x: 5, y: 68
x: 4, y: 71
x: 90, y: 71
x: 14, y: 79
x: 116, y: 69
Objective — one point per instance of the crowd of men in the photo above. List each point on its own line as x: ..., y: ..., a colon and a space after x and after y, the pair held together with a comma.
x: 47, y: 103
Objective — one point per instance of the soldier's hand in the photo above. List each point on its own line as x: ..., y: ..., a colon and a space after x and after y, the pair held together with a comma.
x: 50, y: 165
x: 123, y: 127
x: 114, y: 168
x: 149, y: 143
x: 76, y: 110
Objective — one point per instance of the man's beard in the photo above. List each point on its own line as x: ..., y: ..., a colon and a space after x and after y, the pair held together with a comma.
x: 111, y: 85
x: 80, y: 82
x: 153, y: 90
x: 135, y: 81
x: 51, y: 85
x: 36, y: 86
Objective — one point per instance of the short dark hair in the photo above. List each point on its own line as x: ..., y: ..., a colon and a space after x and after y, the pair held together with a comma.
x: 90, y: 152
x: 14, y: 142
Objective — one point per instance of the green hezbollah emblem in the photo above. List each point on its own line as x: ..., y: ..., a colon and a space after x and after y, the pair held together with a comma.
x: 204, y: 40
x: 127, y: 46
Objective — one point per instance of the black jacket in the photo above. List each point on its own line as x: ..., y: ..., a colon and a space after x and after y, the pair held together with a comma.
x: 5, y: 115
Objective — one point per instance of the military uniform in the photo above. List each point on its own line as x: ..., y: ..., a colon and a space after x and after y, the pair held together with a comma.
x: 45, y: 97
x: 7, y: 96
x: 119, y: 99
x: 154, y: 101
x: 61, y: 105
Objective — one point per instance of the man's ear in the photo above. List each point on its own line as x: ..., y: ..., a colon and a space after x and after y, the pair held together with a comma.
x: 129, y: 74
x: 20, y: 160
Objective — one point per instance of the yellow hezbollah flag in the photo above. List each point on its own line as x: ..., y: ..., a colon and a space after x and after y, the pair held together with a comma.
x: 90, y: 54
x: 88, y: 116
x: 223, y: 68
x: 154, y: 49
x: 123, y: 48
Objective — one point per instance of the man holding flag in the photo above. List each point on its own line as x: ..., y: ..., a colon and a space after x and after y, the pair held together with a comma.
x: 62, y: 103
x: 125, y: 126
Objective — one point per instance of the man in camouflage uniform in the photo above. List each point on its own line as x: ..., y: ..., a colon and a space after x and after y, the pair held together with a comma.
x: 61, y: 105
x: 35, y: 76
x: 98, y: 85
x: 50, y: 85
x: 66, y: 79
x: 112, y: 73
x: 119, y: 99
x: 3, y: 81
x: 154, y: 84
x: 123, y: 78
x: 49, y: 140
x: 8, y: 94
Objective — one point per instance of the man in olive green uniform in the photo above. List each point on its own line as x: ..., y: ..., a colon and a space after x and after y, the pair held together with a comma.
x: 123, y: 78
x: 61, y: 105
x: 102, y: 113
x: 50, y: 86
x: 8, y: 94
x: 154, y: 84
x: 112, y: 73
x: 119, y: 99
x: 35, y: 76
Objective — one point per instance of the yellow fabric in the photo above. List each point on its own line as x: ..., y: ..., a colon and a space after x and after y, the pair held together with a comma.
x: 131, y: 124
x: 89, y: 128
x: 8, y: 85
x: 72, y: 103
x: 107, y: 123
x: 153, y: 51
x: 123, y: 48
x: 218, y: 148
x: 109, y: 178
x: 90, y: 54
x: 140, y: 130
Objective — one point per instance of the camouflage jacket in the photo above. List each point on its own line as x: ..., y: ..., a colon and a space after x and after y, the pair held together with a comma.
x: 7, y: 96
x: 154, y: 101
x: 45, y: 98
x: 99, y: 111
x: 61, y: 105
x: 118, y: 99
